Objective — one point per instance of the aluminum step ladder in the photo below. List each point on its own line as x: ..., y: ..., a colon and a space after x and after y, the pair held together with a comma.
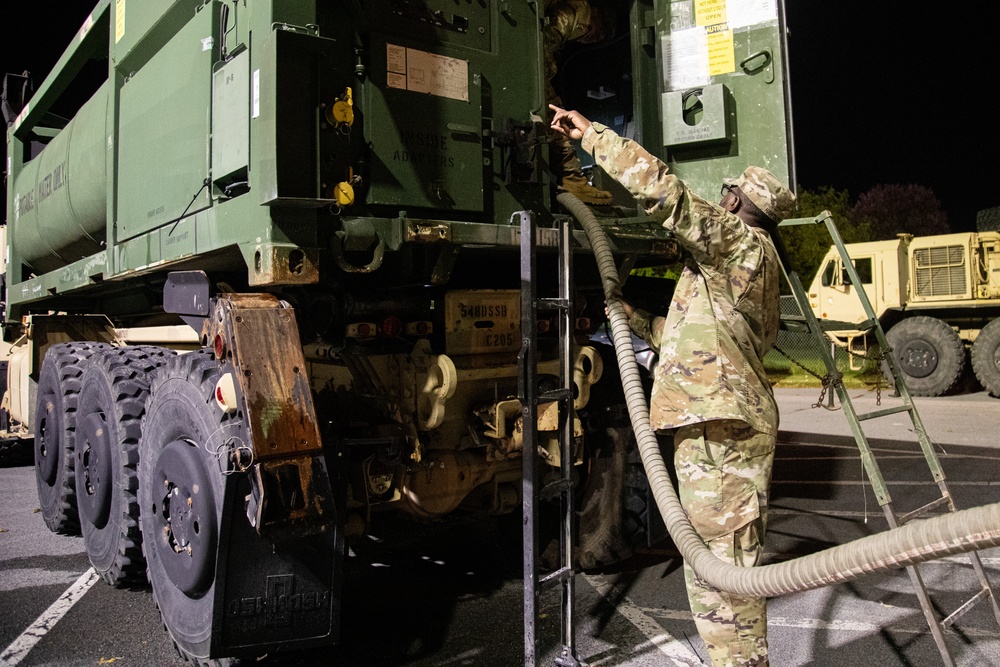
x: 531, y: 397
x: 810, y: 323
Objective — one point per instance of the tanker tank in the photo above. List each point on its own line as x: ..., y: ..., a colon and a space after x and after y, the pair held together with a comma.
x: 60, y: 198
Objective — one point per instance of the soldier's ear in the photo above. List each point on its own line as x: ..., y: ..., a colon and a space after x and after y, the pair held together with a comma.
x: 731, y: 202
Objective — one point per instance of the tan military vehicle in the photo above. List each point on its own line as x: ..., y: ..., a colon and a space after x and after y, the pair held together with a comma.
x: 935, y: 296
x: 15, y: 438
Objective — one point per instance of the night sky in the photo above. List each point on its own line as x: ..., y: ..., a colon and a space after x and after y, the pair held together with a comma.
x: 882, y: 92
x: 894, y: 92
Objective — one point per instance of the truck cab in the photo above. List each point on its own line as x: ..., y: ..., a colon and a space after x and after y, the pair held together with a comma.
x: 881, y: 265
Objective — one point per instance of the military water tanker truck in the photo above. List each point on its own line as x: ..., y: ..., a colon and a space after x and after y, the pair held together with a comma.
x: 268, y: 278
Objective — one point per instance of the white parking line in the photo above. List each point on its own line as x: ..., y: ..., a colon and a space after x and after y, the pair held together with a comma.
x: 678, y: 653
x: 20, y: 647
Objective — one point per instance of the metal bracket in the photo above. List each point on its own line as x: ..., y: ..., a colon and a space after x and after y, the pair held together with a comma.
x: 291, y: 494
x: 188, y: 294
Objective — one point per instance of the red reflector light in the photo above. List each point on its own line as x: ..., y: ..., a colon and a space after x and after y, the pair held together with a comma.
x: 583, y: 324
x: 391, y: 327
x: 364, y: 330
x: 220, y: 346
x: 218, y: 395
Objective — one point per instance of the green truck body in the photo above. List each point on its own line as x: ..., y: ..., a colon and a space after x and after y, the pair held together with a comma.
x: 342, y: 183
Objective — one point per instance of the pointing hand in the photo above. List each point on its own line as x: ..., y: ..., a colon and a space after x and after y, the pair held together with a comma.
x: 571, y: 124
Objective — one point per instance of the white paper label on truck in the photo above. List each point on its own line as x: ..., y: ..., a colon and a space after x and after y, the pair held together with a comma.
x: 423, y: 72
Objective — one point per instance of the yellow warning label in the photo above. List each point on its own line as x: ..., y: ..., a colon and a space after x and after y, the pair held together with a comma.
x: 721, y: 55
x: 710, y: 12
x: 119, y: 20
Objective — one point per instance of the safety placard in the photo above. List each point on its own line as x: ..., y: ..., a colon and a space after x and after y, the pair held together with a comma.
x: 701, y: 43
x: 424, y: 72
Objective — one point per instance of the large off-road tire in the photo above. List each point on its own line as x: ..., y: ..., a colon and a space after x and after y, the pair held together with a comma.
x: 614, y: 508
x: 55, y: 432
x: 112, y: 401
x: 614, y: 501
x: 181, y: 489
x: 986, y: 357
x: 929, y: 353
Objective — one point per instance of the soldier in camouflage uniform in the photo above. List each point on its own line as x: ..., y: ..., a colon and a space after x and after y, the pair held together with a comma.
x: 587, y: 23
x: 710, y: 388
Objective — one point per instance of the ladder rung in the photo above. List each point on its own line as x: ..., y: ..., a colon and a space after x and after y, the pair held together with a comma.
x: 562, y: 394
x: 553, y: 304
x: 562, y: 574
x: 883, y: 413
x: 969, y: 604
x: 921, y: 510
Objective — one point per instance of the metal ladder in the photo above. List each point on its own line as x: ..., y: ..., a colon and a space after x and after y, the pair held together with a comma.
x: 812, y: 325
x: 530, y: 398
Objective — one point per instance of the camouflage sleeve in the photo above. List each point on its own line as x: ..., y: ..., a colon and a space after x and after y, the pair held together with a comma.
x: 647, y: 327
x: 709, y: 233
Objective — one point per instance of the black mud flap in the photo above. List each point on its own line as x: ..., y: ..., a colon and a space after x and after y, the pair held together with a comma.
x: 273, y: 596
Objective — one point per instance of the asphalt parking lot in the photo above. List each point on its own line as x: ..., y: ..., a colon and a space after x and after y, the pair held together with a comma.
x: 453, y: 597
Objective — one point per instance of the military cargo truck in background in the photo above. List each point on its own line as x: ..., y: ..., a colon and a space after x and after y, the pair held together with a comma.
x: 269, y: 277
x: 934, y: 295
x: 15, y: 438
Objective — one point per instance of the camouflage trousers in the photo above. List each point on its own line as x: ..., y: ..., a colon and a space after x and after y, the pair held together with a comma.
x: 724, y: 471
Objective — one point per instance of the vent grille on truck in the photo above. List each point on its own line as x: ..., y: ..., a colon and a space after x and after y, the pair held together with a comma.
x: 940, y: 271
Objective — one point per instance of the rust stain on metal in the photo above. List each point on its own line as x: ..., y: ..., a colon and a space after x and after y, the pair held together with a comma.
x: 418, y: 232
x: 298, y: 499
x: 261, y: 347
x: 265, y: 347
x: 283, y: 265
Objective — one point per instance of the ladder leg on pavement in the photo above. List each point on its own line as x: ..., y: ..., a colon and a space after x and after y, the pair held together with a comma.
x: 531, y: 397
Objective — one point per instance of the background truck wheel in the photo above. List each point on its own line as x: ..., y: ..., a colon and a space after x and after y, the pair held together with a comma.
x: 55, y: 433
x: 986, y: 357
x: 181, y: 489
x: 113, y: 393
x: 929, y: 354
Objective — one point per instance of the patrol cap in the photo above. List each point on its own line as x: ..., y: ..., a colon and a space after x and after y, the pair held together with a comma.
x: 768, y: 193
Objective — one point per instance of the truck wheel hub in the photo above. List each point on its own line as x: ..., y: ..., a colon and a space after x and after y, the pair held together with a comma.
x: 95, y: 457
x: 47, y: 446
x: 186, y: 540
x: 918, y: 358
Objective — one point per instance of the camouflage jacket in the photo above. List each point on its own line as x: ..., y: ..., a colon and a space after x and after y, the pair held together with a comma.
x: 567, y: 20
x: 724, y: 312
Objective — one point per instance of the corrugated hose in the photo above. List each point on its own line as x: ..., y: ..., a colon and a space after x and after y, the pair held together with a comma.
x: 929, y: 539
